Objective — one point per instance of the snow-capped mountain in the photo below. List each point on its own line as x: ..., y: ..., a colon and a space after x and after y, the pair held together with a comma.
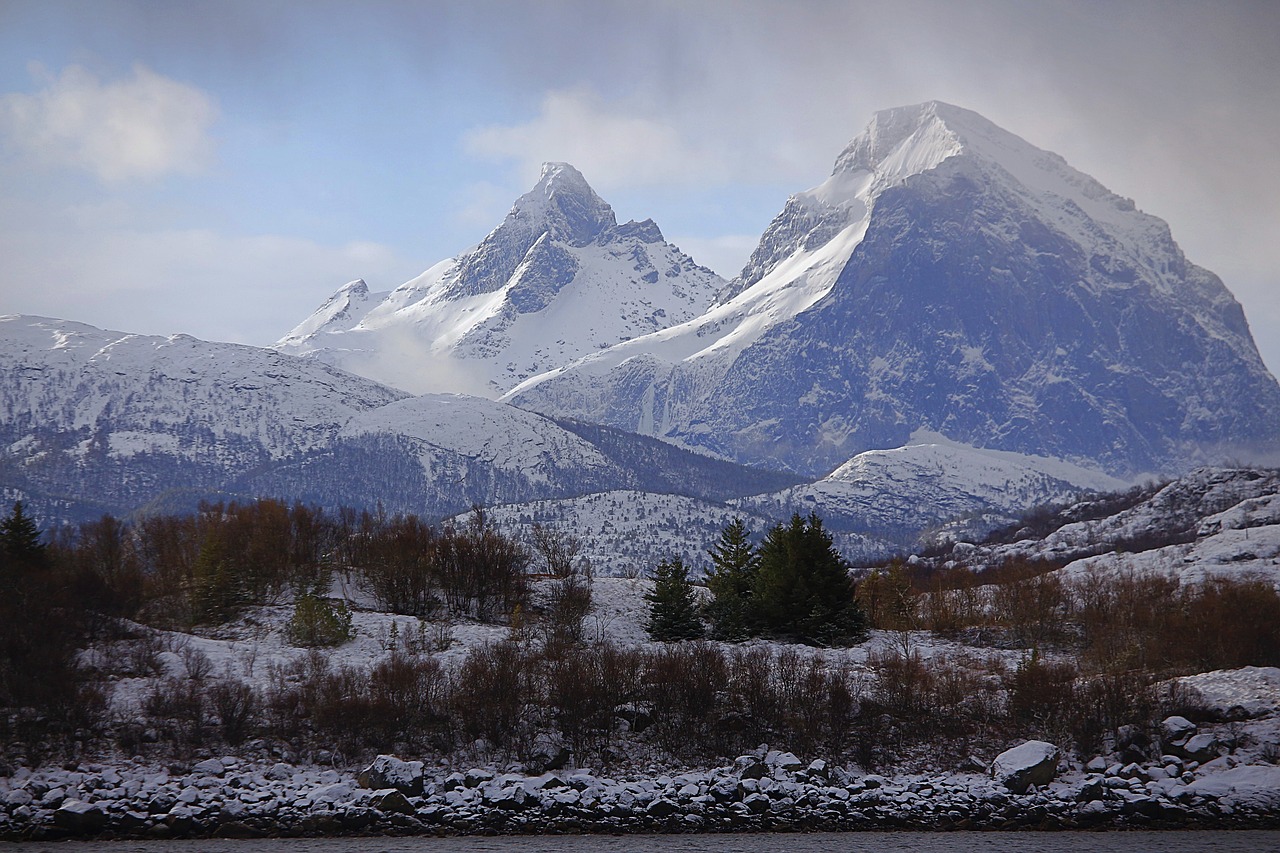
x: 951, y: 277
x: 94, y: 421
x: 557, y: 280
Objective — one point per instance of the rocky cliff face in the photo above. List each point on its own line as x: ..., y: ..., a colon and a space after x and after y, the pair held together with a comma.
x: 950, y: 277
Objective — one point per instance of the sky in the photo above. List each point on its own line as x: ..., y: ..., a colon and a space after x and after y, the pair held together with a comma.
x: 220, y: 168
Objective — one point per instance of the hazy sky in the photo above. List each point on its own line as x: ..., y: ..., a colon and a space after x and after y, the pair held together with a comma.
x: 219, y: 168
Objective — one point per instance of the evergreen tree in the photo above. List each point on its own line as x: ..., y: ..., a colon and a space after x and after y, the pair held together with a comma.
x: 730, y: 581
x: 802, y: 587
x: 20, y: 539
x: 673, y: 610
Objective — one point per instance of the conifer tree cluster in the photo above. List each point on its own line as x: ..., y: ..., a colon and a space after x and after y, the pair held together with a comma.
x: 793, y: 586
x: 673, y: 609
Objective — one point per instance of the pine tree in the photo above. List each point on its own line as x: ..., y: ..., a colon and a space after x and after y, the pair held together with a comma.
x: 20, y: 539
x: 802, y: 587
x: 732, y: 576
x: 673, y: 610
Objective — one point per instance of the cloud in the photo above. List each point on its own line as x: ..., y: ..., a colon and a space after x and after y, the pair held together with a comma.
x: 482, y: 204
x: 610, y: 147
x: 244, y: 289
x: 142, y: 127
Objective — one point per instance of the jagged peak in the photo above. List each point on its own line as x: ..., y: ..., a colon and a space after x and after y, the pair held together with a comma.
x: 646, y: 231
x: 564, y: 205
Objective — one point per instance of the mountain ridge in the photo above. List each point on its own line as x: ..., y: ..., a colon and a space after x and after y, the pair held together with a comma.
x: 948, y: 276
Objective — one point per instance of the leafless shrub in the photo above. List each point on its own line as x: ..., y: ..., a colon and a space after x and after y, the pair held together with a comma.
x: 235, y: 704
x: 196, y: 663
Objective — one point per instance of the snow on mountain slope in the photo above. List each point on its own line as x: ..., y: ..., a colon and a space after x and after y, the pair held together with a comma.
x: 558, y: 279
x: 931, y: 481
x: 1210, y: 522
x: 347, y: 307
x: 94, y: 421
x: 949, y: 276
x: 487, y: 452
x: 492, y: 433
x: 123, y: 394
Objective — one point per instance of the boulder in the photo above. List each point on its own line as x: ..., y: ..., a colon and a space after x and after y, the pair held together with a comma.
x: 818, y: 769
x: 79, y: 817
x: 1200, y: 748
x: 1177, y: 729
x: 210, y: 767
x: 783, y: 760
x: 387, y: 771
x: 1032, y: 763
x: 392, y: 801
x: 661, y: 808
x: 477, y: 776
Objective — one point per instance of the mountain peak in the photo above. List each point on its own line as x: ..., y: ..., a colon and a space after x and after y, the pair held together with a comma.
x: 563, y: 205
x: 907, y: 140
x: 953, y: 277
x: 563, y: 177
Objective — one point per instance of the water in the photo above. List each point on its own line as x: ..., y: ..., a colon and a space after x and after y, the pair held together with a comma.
x: 849, y: 842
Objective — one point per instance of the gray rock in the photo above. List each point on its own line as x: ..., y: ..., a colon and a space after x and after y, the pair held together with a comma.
x: 1177, y: 729
x: 279, y: 772
x: 476, y: 776
x: 80, y: 817
x: 661, y: 807
x: 210, y: 767
x: 392, y: 801
x: 1200, y: 748
x: 783, y: 760
x: 1032, y: 763
x: 387, y: 771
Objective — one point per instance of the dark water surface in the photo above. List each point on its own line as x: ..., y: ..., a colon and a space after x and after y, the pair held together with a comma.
x: 1243, y: 841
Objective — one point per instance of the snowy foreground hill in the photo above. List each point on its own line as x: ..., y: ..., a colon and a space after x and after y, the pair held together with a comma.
x: 1217, y: 770
x: 1209, y: 523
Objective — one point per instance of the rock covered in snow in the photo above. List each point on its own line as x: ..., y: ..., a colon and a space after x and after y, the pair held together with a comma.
x: 388, y: 771
x: 1032, y: 763
x: 1233, y: 694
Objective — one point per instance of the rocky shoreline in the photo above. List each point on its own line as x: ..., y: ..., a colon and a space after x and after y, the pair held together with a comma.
x: 764, y: 791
